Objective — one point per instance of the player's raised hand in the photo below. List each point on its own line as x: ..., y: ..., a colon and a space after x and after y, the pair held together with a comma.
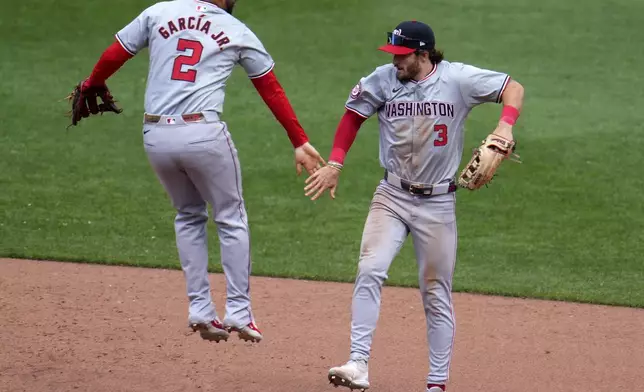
x: 323, y: 179
x: 307, y: 157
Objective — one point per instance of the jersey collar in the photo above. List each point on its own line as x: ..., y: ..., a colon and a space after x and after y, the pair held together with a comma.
x: 429, y: 75
x: 211, y: 6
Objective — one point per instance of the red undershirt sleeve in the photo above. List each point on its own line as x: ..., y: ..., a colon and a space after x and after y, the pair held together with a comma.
x: 110, y: 61
x: 273, y: 95
x: 345, y: 135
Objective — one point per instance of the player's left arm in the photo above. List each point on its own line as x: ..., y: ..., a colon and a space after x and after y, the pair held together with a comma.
x: 512, y: 100
x: 271, y: 91
x: 479, y: 85
x: 259, y: 66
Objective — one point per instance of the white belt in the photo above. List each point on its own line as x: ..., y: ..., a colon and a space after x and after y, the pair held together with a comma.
x: 181, y: 118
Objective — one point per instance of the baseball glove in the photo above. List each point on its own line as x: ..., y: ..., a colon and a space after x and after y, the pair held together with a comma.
x: 485, y: 161
x: 84, y: 100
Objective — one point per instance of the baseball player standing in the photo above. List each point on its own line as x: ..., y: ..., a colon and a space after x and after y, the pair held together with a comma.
x: 193, y: 48
x: 422, y: 102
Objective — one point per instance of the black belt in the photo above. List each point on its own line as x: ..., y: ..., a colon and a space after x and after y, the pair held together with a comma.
x: 421, y: 189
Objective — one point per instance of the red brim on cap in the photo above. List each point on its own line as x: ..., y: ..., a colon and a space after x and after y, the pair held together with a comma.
x: 395, y: 49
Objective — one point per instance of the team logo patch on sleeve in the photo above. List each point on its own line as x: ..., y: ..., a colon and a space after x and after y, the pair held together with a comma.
x: 355, y: 92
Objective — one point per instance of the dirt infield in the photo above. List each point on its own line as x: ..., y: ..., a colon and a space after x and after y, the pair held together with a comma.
x: 68, y: 327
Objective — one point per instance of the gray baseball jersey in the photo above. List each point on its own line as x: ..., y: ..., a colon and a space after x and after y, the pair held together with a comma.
x: 421, y: 140
x: 194, y: 47
x: 422, y: 123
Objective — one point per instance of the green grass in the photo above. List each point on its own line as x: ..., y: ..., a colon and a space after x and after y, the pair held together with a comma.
x: 566, y: 224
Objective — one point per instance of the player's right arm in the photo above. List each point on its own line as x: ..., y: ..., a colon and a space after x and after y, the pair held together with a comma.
x: 364, y: 101
x: 258, y: 64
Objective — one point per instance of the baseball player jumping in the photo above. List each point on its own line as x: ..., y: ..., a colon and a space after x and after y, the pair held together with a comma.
x: 422, y: 102
x: 193, y: 48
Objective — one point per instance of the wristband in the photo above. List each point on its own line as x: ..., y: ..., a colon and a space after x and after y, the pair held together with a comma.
x: 509, y: 114
x: 335, y: 165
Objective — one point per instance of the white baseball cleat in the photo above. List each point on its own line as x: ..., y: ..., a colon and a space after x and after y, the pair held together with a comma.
x: 435, y: 389
x: 249, y: 332
x: 353, y: 375
x: 213, y: 331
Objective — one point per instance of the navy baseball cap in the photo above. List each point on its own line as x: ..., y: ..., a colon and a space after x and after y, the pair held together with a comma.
x: 408, y: 37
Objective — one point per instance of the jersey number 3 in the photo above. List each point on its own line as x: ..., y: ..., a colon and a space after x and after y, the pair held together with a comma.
x: 188, y: 75
x: 441, y: 138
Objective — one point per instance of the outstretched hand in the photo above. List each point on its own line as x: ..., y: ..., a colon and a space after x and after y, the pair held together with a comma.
x: 323, y: 179
x: 307, y: 157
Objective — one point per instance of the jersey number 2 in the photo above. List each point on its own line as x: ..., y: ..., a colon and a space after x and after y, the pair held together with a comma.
x: 441, y: 138
x: 191, y: 74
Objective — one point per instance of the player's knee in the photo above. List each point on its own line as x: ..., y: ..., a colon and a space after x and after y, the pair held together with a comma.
x: 438, y: 301
x: 436, y: 288
x: 192, y: 214
x: 185, y: 209
x: 372, y: 268
x: 227, y: 219
x: 232, y: 233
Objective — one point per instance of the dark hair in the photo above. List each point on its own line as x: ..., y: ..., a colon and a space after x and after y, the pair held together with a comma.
x: 435, y: 55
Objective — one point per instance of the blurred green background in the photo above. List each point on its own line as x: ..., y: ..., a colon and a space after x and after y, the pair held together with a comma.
x: 566, y: 224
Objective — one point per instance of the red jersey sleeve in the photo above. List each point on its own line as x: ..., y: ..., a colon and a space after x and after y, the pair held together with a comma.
x: 345, y: 135
x: 273, y: 95
x: 110, y: 61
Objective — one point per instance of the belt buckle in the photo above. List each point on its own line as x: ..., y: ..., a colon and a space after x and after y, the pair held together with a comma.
x: 421, y: 191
